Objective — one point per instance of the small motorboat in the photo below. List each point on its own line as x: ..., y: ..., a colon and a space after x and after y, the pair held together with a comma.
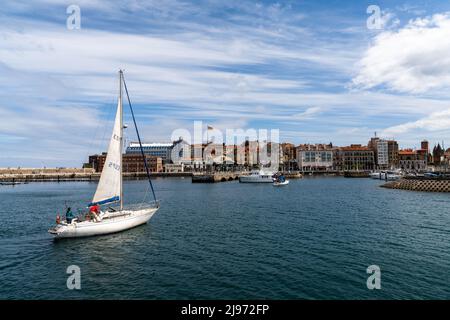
x: 280, y: 180
x: 279, y: 184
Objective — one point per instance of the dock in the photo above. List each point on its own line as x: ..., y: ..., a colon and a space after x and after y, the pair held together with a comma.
x: 230, y: 176
x: 13, y: 177
x: 215, y: 177
x: 356, y: 174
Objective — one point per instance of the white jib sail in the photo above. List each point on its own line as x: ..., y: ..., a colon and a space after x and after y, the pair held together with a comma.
x: 109, y: 186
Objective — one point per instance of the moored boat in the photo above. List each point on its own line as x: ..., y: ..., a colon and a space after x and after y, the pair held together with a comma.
x: 386, y: 175
x: 257, y: 176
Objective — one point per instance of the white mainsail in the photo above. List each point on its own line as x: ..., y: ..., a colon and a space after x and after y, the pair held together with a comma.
x: 109, y: 187
x: 109, y: 190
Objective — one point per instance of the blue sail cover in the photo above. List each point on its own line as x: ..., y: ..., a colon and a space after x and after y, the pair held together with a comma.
x: 110, y: 200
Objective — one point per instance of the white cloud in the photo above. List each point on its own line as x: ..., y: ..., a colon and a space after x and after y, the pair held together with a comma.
x: 434, y: 122
x: 413, y: 59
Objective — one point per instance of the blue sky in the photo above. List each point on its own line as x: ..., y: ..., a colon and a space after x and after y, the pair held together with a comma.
x: 312, y: 69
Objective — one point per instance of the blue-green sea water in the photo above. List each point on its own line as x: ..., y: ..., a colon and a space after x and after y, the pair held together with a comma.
x: 313, y: 239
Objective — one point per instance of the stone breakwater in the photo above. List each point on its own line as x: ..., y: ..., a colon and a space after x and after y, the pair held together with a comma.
x: 420, y: 184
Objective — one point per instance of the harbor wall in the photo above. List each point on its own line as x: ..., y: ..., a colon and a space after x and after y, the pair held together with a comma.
x: 423, y: 184
x: 75, y: 174
x: 45, y: 171
x: 79, y: 175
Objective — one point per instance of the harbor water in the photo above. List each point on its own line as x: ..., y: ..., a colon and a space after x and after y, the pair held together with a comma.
x: 313, y: 239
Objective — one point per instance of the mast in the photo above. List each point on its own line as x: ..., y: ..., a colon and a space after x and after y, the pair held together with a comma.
x: 121, y: 138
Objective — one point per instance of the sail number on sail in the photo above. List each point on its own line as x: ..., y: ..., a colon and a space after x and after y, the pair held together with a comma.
x: 114, y: 165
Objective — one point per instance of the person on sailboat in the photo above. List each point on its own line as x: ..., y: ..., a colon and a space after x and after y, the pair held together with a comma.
x: 69, y: 215
x: 95, y: 209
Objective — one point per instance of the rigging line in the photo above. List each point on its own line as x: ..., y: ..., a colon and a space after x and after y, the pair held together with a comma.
x: 139, y: 139
x: 145, y: 198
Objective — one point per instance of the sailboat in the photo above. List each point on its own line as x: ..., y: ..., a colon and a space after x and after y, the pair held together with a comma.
x: 110, y: 191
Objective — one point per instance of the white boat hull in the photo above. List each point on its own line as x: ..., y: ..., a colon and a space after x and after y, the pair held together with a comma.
x: 250, y: 179
x: 117, y: 222
x: 382, y: 176
x: 257, y: 178
x: 279, y: 184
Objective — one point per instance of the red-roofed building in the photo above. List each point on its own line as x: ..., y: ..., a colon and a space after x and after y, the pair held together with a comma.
x: 355, y: 157
x: 410, y: 159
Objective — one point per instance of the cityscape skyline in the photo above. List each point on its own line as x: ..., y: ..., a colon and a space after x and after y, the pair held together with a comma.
x: 315, y: 70
x: 182, y: 156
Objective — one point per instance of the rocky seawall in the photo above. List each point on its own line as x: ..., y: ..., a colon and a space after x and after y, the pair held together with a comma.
x: 427, y: 185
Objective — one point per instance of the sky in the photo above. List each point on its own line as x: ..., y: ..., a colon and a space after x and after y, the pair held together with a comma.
x: 318, y: 71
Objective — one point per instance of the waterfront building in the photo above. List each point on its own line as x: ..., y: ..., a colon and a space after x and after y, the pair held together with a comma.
x: 288, y: 159
x: 392, y: 153
x: 373, y: 145
x: 414, y: 160
x: 161, y: 150
x: 131, y: 163
x: 270, y: 154
x: 177, y: 152
x: 382, y: 157
x: 231, y: 152
x: 197, y: 162
x: 251, y: 154
x: 355, y: 157
x: 425, y: 148
x: 315, y: 157
x: 447, y: 159
x: 180, y: 153
x: 385, y: 152
x: 438, y: 155
x: 424, y: 145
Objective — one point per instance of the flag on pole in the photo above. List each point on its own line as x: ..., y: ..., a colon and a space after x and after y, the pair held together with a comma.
x: 208, y: 128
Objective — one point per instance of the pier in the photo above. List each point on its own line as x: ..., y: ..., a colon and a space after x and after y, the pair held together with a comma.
x: 215, y: 177
x: 357, y: 174
x: 25, y: 175
x: 15, y: 176
x: 230, y: 176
